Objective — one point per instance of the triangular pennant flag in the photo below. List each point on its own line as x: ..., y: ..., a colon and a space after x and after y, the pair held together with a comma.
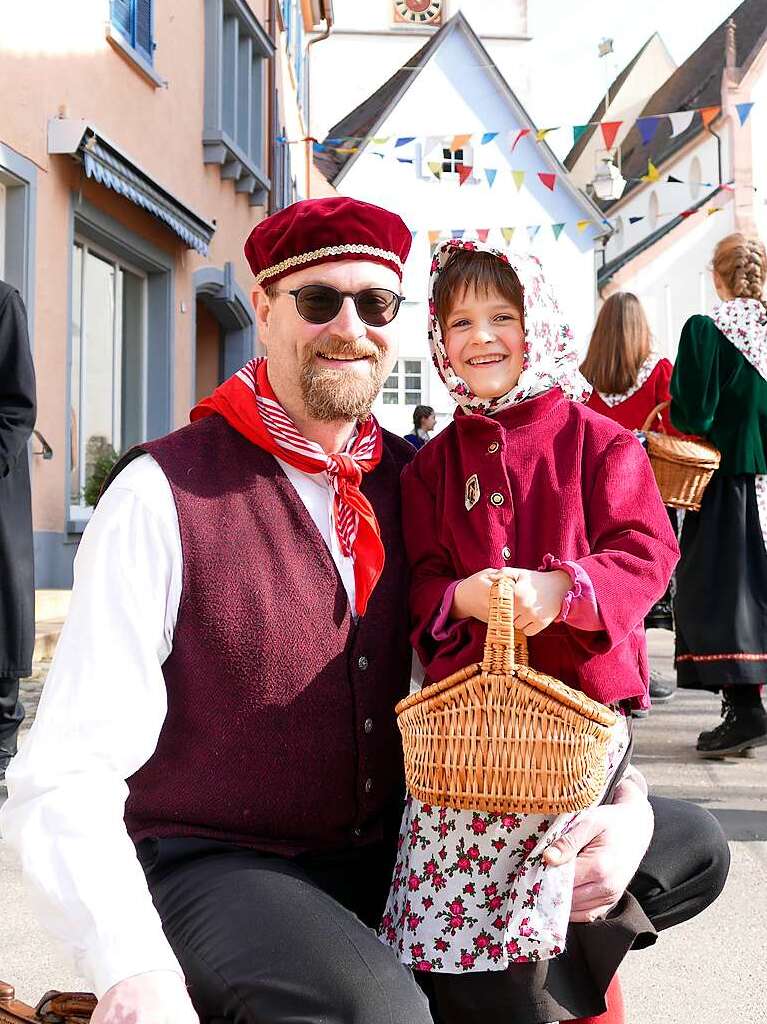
x: 517, y: 136
x: 647, y: 126
x: 653, y: 174
x: 405, y: 159
x: 635, y: 220
x: 508, y: 234
x: 680, y: 121
x: 729, y: 186
x: 414, y: 233
x: 671, y: 180
x: 686, y: 213
x: 403, y: 140
x: 429, y: 143
x: 532, y: 230
x: 582, y: 224
x: 317, y: 147
x: 490, y: 172
x: 609, y: 131
x: 549, y: 180
x: 459, y: 141
x: 482, y: 234
x: 743, y: 109
x: 541, y: 134
x: 380, y: 140
x: 713, y: 209
x: 709, y: 114
x: 519, y: 178
x: 435, y: 166
x: 434, y: 237
x: 557, y: 229
x: 488, y: 137
x: 458, y: 232
x: 578, y: 130
x: 464, y: 173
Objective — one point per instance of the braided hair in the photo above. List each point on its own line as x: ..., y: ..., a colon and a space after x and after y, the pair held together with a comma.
x: 741, y: 263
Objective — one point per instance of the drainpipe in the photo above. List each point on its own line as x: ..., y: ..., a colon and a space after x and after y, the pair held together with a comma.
x: 327, y: 11
x: 730, y: 54
x: 274, y: 113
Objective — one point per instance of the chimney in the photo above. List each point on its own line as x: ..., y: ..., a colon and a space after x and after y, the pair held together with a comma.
x: 729, y: 45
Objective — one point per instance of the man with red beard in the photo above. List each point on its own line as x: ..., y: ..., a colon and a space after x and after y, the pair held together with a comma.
x: 216, y: 754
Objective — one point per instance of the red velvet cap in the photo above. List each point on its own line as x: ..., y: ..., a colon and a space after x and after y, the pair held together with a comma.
x: 324, y: 231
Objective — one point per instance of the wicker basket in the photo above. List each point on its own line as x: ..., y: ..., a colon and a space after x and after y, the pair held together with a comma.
x: 682, y: 466
x: 502, y: 737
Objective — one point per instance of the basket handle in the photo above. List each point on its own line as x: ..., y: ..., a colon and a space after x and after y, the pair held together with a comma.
x: 505, y: 647
x: 656, y: 412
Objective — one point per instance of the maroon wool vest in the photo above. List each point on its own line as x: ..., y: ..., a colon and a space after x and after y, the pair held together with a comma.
x: 280, y: 733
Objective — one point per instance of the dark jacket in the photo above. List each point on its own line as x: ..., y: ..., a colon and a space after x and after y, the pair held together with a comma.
x: 17, y: 418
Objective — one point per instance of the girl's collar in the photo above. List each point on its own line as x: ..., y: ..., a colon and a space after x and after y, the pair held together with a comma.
x: 512, y: 416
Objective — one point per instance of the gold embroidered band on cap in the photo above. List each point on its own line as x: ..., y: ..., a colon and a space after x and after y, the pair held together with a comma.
x: 329, y: 250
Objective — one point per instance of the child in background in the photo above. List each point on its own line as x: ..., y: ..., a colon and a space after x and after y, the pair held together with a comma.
x: 528, y: 482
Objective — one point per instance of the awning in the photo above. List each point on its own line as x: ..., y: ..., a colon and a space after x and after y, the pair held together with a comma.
x: 104, y: 162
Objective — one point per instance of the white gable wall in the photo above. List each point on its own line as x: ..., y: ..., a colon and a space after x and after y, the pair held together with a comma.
x: 451, y: 93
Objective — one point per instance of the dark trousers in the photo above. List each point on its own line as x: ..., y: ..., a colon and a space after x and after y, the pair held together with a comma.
x: 11, y: 716
x: 266, y: 940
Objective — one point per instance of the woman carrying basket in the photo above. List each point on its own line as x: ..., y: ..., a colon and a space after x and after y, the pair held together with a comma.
x: 719, y: 391
x: 529, y: 484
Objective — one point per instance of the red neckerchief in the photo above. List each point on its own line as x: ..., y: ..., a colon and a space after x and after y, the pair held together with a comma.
x: 264, y: 422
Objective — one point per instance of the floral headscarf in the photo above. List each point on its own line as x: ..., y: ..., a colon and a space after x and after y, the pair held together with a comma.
x: 744, y: 323
x: 550, y: 356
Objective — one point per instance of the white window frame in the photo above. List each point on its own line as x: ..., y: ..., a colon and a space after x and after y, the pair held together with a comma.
x: 79, y: 512
x: 399, y: 370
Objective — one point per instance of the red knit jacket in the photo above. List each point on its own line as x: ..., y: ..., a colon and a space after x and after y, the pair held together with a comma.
x: 555, y: 479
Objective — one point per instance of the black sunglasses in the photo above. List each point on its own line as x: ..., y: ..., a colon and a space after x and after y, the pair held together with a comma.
x: 319, y: 304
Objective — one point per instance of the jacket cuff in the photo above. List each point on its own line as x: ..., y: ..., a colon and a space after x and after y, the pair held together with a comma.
x: 444, y: 628
x: 579, y: 605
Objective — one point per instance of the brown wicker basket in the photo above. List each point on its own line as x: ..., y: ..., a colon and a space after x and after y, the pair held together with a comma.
x: 682, y: 466
x: 502, y: 737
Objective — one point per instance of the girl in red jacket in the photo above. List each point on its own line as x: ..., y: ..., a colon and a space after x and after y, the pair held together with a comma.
x: 529, y: 482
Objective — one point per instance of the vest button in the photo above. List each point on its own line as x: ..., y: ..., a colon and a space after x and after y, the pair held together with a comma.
x: 368, y: 785
x: 493, y: 447
x: 368, y: 726
x: 497, y: 499
x: 506, y: 552
x: 363, y: 662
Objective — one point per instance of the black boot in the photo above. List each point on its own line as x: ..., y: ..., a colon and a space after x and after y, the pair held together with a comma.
x: 11, y: 717
x: 660, y: 690
x: 741, y: 729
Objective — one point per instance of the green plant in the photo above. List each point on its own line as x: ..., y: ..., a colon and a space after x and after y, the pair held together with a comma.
x: 100, y: 470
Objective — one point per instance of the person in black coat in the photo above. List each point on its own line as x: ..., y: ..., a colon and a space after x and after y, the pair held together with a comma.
x: 17, y: 586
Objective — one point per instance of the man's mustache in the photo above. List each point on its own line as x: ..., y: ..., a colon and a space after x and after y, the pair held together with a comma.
x: 335, y: 348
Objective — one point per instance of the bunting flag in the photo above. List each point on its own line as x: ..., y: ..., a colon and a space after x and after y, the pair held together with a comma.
x: 549, y: 180
x: 464, y: 173
x: 541, y: 134
x: 508, y: 234
x: 743, y: 109
x: 459, y: 141
x: 490, y: 173
x: 709, y: 114
x: 653, y: 174
x: 482, y: 234
x: 380, y: 140
x: 404, y: 140
x: 680, y: 122
x: 532, y: 230
x: 519, y: 178
x: 488, y: 137
x: 458, y: 232
x: 578, y: 130
x: 685, y: 214
x: 582, y: 224
x: 635, y: 220
x: 435, y: 166
x: 434, y: 237
x: 609, y: 131
x: 557, y: 229
x: 713, y: 209
x: 429, y: 143
x: 671, y: 180
x: 519, y: 135
x: 317, y: 147
x: 405, y: 160
x: 647, y: 126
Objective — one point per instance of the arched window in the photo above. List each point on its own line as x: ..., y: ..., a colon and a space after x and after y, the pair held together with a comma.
x: 653, y: 211
x: 695, y: 177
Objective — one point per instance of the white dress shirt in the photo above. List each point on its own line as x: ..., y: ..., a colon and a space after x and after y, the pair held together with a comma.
x: 100, y: 715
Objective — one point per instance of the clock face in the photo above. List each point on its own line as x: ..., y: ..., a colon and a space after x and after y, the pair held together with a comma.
x: 418, y: 12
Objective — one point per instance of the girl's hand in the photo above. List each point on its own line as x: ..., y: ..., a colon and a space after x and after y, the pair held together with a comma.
x: 471, y: 598
x: 538, y: 598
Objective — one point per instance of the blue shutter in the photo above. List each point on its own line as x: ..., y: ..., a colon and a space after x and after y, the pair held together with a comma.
x: 143, y: 41
x: 122, y: 17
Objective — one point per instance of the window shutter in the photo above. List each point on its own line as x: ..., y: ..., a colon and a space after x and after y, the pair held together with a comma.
x: 121, y: 17
x: 144, y: 28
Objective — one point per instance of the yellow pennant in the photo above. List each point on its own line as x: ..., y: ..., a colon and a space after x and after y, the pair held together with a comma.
x: 519, y: 178
x: 435, y: 166
x: 381, y: 140
x: 459, y: 141
x: 541, y: 134
x: 582, y: 224
x: 713, y: 209
x: 653, y: 174
x: 508, y: 233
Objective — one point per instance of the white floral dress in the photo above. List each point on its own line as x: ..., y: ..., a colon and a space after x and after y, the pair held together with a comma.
x: 471, y: 891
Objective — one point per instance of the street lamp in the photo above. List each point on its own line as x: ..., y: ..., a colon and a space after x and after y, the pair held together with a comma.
x: 608, y: 182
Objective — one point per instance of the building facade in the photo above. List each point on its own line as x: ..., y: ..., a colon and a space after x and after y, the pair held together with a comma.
x: 138, y: 148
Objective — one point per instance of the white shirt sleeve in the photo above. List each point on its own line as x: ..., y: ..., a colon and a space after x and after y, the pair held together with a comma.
x: 99, y: 719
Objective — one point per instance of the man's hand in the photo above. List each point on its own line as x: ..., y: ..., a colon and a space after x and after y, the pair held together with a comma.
x: 157, y: 997
x: 608, y: 842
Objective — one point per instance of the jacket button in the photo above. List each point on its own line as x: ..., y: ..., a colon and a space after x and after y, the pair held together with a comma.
x: 363, y: 662
x: 506, y: 552
x: 356, y: 832
x: 368, y: 785
x: 368, y: 726
x: 496, y: 498
x: 493, y: 447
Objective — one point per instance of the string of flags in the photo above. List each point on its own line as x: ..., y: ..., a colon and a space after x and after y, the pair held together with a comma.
x: 679, y: 122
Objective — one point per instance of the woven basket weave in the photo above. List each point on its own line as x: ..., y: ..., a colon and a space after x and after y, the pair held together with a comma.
x: 501, y: 737
x: 682, y: 466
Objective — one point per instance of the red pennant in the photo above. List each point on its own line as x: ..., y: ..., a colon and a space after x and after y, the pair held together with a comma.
x: 464, y: 172
x: 520, y: 135
x: 549, y: 180
x: 482, y: 234
x: 687, y: 213
x: 609, y: 131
